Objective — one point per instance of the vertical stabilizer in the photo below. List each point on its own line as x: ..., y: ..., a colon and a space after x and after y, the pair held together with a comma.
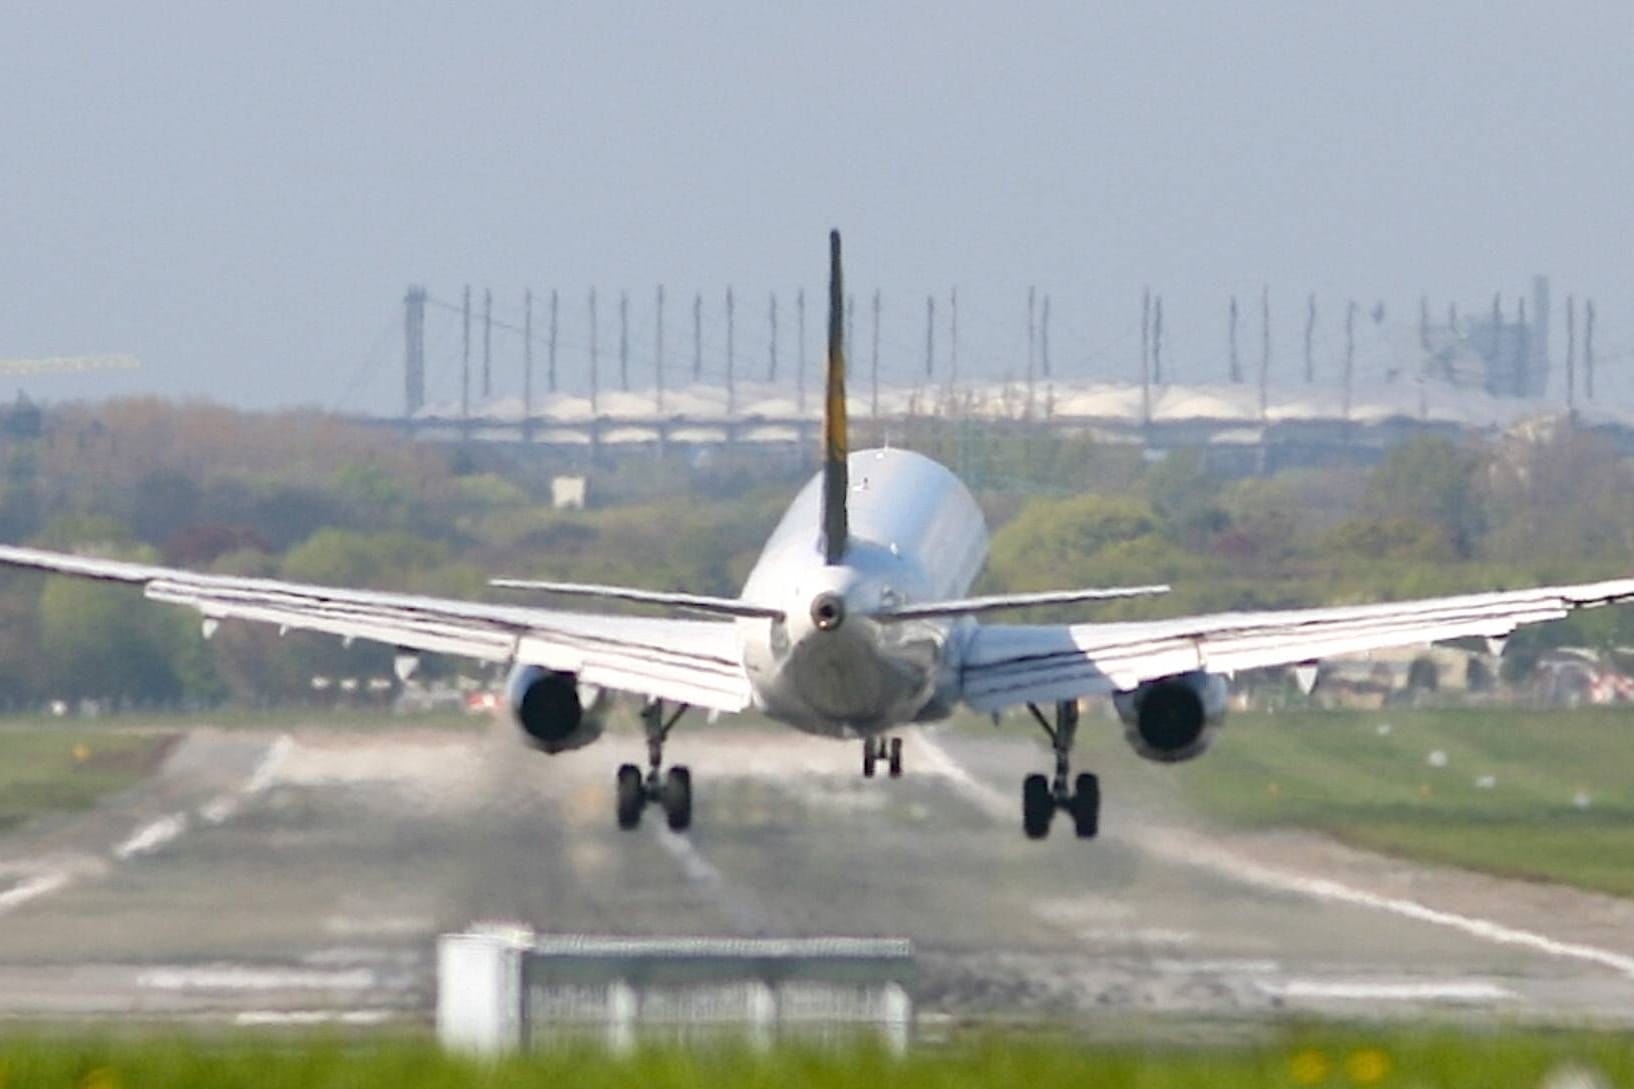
x: 836, y: 482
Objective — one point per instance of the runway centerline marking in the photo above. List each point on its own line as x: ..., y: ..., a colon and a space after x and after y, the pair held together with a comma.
x: 235, y: 978
x: 31, y: 889
x: 701, y: 872
x: 1211, y: 857
x: 156, y: 833
x: 151, y: 836
x: 1453, y: 990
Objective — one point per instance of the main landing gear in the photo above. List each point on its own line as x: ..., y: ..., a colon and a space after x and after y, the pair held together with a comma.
x: 875, y: 749
x: 672, y: 791
x: 1041, y: 797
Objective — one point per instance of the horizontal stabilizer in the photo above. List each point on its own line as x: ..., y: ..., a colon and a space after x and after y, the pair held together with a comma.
x: 971, y: 605
x: 692, y: 603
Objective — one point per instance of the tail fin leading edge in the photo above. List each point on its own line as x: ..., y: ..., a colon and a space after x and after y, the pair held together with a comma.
x: 836, y: 479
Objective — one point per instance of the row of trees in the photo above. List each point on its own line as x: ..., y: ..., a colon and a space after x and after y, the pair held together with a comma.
x: 308, y: 497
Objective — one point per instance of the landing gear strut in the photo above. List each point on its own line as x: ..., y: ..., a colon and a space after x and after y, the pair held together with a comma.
x: 888, y: 749
x: 1041, y: 797
x: 673, y: 791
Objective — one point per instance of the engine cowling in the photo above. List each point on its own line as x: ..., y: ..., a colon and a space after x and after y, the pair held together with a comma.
x: 555, y: 711
x: 1173, y: 719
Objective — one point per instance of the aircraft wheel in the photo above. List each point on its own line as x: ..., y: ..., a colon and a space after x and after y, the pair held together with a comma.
x: 632, y: 796
x: 1037, y: 806
x: 870, y: 757
x: 896, y: 758
x: 677, y: 798
x: 1086, y: 806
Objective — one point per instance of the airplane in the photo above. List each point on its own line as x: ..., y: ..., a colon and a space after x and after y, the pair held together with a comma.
x: 855, y: 620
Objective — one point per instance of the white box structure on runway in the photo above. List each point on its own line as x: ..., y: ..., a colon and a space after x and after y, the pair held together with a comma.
x: 505, y: 989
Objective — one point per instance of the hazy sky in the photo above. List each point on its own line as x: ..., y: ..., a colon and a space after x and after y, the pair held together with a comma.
x: 240, y: 195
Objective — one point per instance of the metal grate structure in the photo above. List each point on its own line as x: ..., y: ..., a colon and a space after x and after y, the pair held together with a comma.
x: 502, y: 989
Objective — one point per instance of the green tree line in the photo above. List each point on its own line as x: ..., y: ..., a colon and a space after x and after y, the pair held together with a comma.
x: 310, y: 497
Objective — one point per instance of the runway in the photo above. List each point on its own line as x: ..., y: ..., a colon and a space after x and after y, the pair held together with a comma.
x: 301, y: 878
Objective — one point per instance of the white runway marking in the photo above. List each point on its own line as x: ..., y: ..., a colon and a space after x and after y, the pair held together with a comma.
x: 155, y: 834
x: 1251, y: 873
x: 235, y: 978
x: 1211, y: 857
x: 1452, y: 990
x: 268, y: 768
x: 152, y: 836
x: 252, y: 1018
x: 700, y: 871
x: 24, y: 891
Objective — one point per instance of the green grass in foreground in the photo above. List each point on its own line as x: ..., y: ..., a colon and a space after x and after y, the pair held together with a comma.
x: 1494, y: 1062
x: 1506, y: 800
x: 64, y: 768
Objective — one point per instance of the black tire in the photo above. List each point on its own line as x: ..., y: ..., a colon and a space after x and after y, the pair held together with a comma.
x: 1086, y: 806
x: 1037, y: 806
x: 677, y: 798
x: 896, y: 757
x: 870, y: 757
x: 632, y: 796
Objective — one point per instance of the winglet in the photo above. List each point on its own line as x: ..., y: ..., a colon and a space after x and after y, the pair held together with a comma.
x: 836, y: 479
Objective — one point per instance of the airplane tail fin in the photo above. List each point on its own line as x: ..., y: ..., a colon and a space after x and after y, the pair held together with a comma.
x: 836, y: 480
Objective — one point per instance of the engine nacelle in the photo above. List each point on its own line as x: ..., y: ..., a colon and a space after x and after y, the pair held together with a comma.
x: 1175, y: 718
x: 555, y: 711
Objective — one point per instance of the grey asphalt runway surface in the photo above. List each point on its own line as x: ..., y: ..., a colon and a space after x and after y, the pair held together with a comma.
x: 301, y: 878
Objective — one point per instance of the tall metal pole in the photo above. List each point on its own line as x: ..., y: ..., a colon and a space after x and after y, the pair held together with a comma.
x: 1157, y: 340
x: 1234, y: 370
x: 414, y: 351
x: 595, y: 355
x: 1588, y: 348
x: 1350, y: 356
x: 658, y: 348
x: 1310, y: 339
x: 930, y: 335
x: 624, y: 341
x: 873, y: 395
x: 465, y: 356
x: 771, y: 353
x: 1265, y: 348
x: 550, y: 358
x: 1146, y: 356
x: 697, y: 337
x: 731, y: 361
x: 1044, y: 337
x: 487, y: 343
x: 800, y: 348
x: 953, y: 337
x: 1571, y: 352
x: 1032, y: 344
x: 527, y: 363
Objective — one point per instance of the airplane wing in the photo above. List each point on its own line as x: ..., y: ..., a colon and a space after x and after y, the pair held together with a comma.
x: 1002, y: 664
x: 696, y: 662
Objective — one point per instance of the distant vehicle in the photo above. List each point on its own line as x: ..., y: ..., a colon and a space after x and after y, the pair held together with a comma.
x: 854, y: 621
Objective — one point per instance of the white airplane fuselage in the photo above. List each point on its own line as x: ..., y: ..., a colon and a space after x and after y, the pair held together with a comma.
x: 829, y: 668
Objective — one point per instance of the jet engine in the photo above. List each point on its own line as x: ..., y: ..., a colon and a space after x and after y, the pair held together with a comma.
x: 556, y: 712
x: 1175, y: 718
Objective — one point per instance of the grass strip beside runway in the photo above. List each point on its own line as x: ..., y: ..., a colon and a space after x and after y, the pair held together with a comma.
x: 1546, y: 795
x: 1491, y: 1061
x: 57, y: 768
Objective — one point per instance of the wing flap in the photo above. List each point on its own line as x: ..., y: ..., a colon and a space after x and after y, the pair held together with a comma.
x: 1004, y: 665
x: 699, y: 603
x: 690, y: 661
x: 972, y: 606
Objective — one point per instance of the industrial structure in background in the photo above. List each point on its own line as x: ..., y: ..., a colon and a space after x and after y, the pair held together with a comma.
x: 22, y: 418
x: 1381, y: 382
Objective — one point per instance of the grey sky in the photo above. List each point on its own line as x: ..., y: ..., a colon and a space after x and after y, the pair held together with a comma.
x: 241, y: 195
